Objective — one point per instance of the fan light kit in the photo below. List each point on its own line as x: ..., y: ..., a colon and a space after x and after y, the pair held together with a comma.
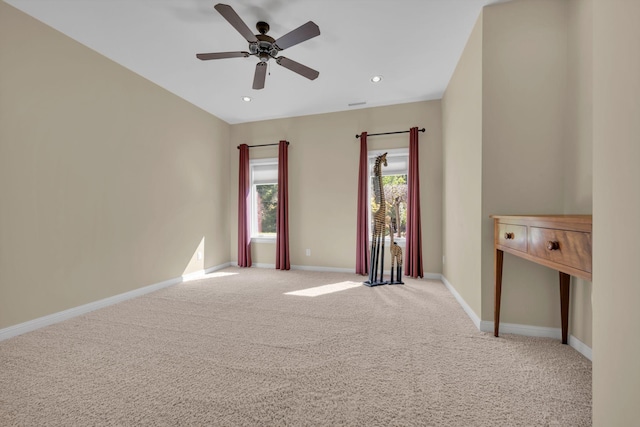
x: 376, y: 79
x: 264, y: 46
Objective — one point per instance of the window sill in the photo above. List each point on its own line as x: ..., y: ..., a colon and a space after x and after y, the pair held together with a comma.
x: 263, y: 239
x: 400, y: 241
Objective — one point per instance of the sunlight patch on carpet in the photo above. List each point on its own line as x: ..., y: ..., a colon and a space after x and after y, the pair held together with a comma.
x: 325, y: 289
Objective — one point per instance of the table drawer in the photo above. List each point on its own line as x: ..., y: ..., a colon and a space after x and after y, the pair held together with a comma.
x: 570, y: 248
x: 512, y: 236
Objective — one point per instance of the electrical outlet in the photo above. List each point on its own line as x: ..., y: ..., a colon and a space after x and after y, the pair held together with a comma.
x: 308, y: 252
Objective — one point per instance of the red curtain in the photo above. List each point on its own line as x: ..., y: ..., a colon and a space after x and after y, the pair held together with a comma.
x: 282, y: 214
x: 244, y: 191
x: 362, y: 228
x: 413, y: 258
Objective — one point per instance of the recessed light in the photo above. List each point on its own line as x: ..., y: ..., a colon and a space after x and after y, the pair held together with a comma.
x: 376, y: 79
x: 246, y: 99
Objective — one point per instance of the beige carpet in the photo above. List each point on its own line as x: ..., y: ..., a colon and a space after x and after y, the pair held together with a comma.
x: 233, y: 350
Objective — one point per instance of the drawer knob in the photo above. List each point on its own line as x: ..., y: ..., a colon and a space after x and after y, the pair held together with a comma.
x: 509, y: 236
x: 553, y: 245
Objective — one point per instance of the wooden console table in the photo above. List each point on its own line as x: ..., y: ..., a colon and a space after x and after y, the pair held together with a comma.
x: 561, y: 242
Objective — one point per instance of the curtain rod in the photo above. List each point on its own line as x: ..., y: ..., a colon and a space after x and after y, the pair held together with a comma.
x: 263, y: 145
x: 390, y: 133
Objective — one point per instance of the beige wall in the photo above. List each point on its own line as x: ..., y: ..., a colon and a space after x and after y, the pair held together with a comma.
x: 462, y: 159
x: 524, y: 103
x: 616, y: 210
x: 578, y: 156
x: 323, y: 179
x: 526, y: 148
x: 108, y: 182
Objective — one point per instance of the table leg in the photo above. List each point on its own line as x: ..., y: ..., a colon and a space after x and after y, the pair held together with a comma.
x: 565, y: 287
x: 498, y: 290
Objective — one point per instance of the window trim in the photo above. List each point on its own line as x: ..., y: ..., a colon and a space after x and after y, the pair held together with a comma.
x: 259, y: 238
x: 371, y: 156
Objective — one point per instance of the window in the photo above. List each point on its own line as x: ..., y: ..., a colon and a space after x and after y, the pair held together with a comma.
x: 264, y: 198
x: 394, y: 181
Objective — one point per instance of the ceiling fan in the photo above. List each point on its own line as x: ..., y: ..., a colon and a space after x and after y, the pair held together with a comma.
x: 265, y: 47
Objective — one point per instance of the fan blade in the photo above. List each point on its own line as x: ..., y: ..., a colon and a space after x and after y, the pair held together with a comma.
x: 296, y: 67
x: 304, y: 32
x: 260, y: 75
x: 236, y: 22
x: 221, y: 55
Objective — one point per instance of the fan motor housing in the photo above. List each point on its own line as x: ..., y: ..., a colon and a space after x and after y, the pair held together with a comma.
x: 264, y: 46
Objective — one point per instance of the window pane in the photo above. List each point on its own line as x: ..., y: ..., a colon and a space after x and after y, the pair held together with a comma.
x: 395, y: 195
x: 396, y: 165
x: 266, y: 208
x: 394, y: 182
x: 264, y: 173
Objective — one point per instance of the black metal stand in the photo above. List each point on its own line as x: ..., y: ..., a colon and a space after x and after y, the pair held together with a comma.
x: 398, y: 280
x: 376, y: 271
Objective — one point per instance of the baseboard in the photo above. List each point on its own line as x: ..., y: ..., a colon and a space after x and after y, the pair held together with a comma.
x: 429, y: 276
x: 301, y: 267
x: 60, y: 316
x: 262, y: 265
x: 200, y: 273
x: 526, y: 330
x: 517, y: 329
x: 323, y: 269
x: 253, y: 265
x: 581, y: 347
x: 539, y: 331
x: 467, y: 309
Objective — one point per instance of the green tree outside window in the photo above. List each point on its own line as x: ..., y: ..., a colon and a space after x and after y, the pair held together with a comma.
x: 267, y: 195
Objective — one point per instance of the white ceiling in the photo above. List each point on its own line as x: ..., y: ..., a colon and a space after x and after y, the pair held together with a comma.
x: 413, y: 44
